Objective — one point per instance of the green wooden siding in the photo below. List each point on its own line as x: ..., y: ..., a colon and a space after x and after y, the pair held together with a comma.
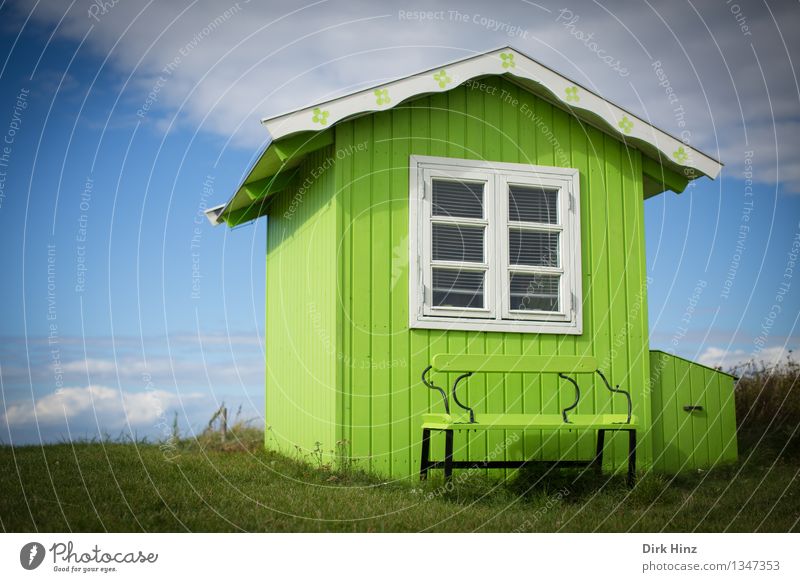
x: 301, y: 304
x: 382, y: 398
x: 691, y: 440
x: 342, y: 364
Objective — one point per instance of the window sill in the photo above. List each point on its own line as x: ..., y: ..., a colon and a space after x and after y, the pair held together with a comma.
x: 489, y: 325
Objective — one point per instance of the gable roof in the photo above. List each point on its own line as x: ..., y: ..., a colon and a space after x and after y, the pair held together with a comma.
x: 303, y: 130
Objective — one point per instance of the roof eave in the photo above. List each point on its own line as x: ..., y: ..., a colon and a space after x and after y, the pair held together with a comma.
x: 668, y: 150
x: 568, y: 93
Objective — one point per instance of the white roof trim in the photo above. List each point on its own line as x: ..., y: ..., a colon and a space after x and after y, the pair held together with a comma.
x: 497, y: 62
x: 213, y: 214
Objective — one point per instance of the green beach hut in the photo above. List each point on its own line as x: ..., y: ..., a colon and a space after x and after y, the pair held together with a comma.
x: 481, y: 223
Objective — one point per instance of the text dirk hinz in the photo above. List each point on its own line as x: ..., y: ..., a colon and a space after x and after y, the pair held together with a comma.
x: 672, y: 549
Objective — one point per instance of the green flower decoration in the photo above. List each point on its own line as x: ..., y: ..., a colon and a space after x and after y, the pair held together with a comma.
x: 442, y: 78
x: 382, y: 96
x: 680, y: 155
x: 625, y: 124
x: 320, y: 116
x: 572, y: 93
x: 508, y: 60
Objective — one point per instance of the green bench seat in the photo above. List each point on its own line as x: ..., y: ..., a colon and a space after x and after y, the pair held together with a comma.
x: 487, y: 421
x: 467, y: 365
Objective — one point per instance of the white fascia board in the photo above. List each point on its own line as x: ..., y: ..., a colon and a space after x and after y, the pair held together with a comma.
x: 213, y: 214
x: 497, y: 62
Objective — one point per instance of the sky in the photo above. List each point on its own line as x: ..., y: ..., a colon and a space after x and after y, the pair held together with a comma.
x: 123, y: 308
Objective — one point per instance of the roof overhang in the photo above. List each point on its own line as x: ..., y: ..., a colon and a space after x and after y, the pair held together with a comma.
x: 671, y: 164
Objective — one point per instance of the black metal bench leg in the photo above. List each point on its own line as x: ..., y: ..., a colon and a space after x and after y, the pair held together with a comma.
x: 426, y: 454
x: 597, y: 462
x: 631, y: 457
x: 448, y: 455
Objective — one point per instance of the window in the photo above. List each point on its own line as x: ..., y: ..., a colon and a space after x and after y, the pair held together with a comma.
x: 494, y: 246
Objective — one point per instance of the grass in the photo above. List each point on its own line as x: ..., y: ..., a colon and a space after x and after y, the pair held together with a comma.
x: 768, y: 404
x: 232, y: 484
x: 107, y: 486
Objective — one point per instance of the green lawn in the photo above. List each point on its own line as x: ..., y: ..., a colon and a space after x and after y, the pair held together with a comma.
x: 129, y: 487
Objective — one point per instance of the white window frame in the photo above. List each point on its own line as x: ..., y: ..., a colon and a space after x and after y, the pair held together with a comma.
x: 489, y: 311
x: 497, y: 315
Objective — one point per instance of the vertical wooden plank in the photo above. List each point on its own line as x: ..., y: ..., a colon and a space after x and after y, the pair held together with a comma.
x: 380, y: 316
x: 579, y: 151
x: 509, y: 122
x: 454, y: 128
x: 362, y: 293
x: 439, y: 339
x: 474, y: 148
x: 456, y: 122
x: 577, y: 155
x: 617, y: 305
x: 422, y: 399
x: 628, y: 336
x: 344, y: 176
x: 439, y: 117
x: 636, y: 280
x: 501, y: 343
x: 699, y: 419
x: 495, y: 147
x: 574, y: 445
x: 326, y: 343
x: 682, y: 395
x: 713, y: 417
x: 514, y: 144
x: 474, y: 124
x: 657, y: 428
x: 669, y: 397
x: 554, y: 391
x: 341, y: 310
x: 598, y: 264
x: 271, y: 353
x: 404, y: 378
x: 530, y: 384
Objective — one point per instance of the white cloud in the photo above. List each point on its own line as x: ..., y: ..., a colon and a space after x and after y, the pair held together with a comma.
x: 730, y: 359
x: 737, y: 87
x: 92, y: 365
x: 215, y: 361
x: 244, y: 369
x: 113, y: 409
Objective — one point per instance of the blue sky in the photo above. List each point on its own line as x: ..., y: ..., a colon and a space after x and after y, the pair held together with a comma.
x: 121, y: 124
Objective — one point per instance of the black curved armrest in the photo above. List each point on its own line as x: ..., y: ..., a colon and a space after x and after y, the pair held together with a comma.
x: 457, y: 401
x: 433, y: 386
x: 577, y: 396
x: 618, y: 390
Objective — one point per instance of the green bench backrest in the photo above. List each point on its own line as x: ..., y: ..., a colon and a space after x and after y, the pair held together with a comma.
x: 512, y: 364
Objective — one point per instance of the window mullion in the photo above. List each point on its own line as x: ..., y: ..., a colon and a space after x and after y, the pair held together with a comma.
x: 466, y: 266
x: 528, y: 269
x: 457, y: 220
x: 500, y: 254
x: 534, y: 226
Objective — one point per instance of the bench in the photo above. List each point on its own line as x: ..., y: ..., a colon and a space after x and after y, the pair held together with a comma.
x: 467, y: 365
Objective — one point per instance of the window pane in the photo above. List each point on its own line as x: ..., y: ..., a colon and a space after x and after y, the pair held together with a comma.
x: 534, y: 292
x: 457, y: 199
x: 453, y: 288
x: 532, y: 204
x: 537, y: 249
x: 454, y: 242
